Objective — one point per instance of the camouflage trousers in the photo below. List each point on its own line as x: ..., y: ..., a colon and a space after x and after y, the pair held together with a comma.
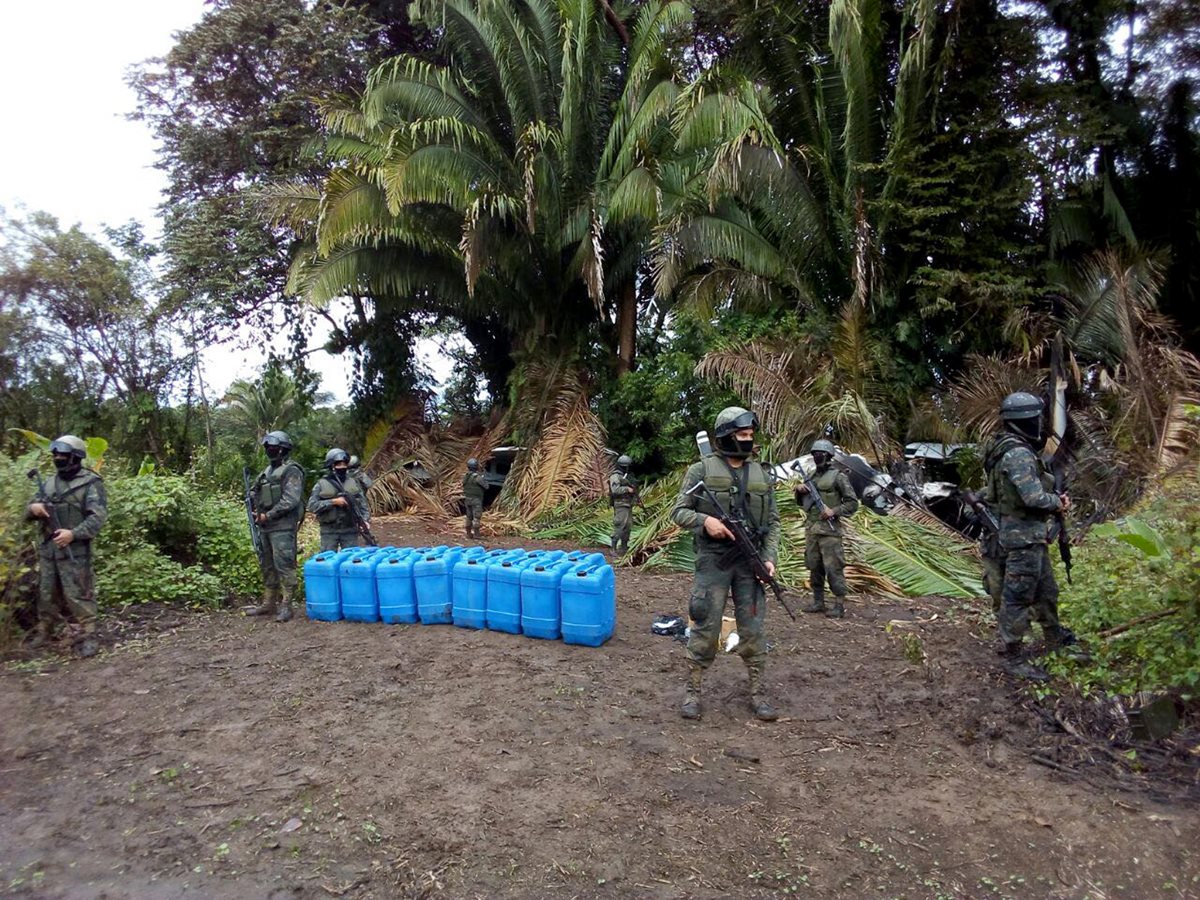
x: 338, y: 539
x: 993, y: 580
x: 66, y: 587
x: 710, y: 588
x: 825, y: 558
x: 1030, y: 592
x: 622, y: 524
x: 278, y: 560
x: 473, y: 508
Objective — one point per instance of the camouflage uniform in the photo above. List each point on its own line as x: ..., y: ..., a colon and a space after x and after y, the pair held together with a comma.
x: 720, y: 570
x: 621, y: 493
x: 338, y: 526
x: 66, y: 582
x: 473, y: 488
x: 1023, y: 493
x: 824, y: 551
x: 278, y: 493
x: 991, y: 553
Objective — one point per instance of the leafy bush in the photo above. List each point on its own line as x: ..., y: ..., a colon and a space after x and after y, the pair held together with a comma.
x: 18, y: 565
x: 1144, y: 570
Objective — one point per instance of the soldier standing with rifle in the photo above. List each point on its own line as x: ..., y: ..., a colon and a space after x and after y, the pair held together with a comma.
x: 827, y: 497
x: 1024, y: 495
x: 340, y: 504
x: 473, y: 488
x: 622, y: 494
x: 72, y: 505
x: 277, y: 501
x: 733, y: 485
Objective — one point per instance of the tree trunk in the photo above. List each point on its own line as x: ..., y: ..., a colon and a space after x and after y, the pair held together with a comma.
x: 626, y: 326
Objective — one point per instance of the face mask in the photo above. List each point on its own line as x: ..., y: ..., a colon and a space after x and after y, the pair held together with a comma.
x: 339, y: 473
x: 276, y: 454
x: 820, y: 458
x: 66, y: 465
x: 745, y: 448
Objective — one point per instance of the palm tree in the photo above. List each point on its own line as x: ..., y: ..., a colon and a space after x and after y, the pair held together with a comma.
x: 515, y: 179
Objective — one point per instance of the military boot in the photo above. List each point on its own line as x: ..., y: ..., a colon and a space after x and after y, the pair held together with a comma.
x: 759, y: 704
x: 691, y: 699
x: 1015, y: 664
x: 86, y: 646
x: 285, y: 607
x: 838, y: 609
x: 269, y: 605
x: 818, y: 601
x: 41, y: 636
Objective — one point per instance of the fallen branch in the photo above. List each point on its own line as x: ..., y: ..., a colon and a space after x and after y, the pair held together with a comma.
x: 1134, y: 623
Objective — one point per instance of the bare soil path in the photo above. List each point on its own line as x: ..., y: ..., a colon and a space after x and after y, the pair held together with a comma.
x: 211, y: 755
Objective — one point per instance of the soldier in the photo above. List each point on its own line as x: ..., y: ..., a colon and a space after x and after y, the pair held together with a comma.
x: 359, y: 474
x: 622, y: 493
x: 339, y: 503
x: 742, y: 487
x: 278, y: 497
x: 824, y: 552
x: 1023, y: 494
x: 72, y: 506
x: 473, y: 488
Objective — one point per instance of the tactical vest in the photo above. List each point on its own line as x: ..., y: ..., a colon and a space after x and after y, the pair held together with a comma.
x: 338, y: 517
x: 472, y: 488
x: 67, y: 497
x: 270, y: 489
x: 617, y: 480
x: 1008, y: 498
x: 750, y: 498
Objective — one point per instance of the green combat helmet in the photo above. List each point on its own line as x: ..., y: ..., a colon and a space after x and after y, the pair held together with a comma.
x: 624, y: 462
x: 472, y: 464
x: 730, y: 420
x: 1022, y: 414
x: 69, y: 445
x: 335, y: 456
x: 278, y: 445
x: 822, y: 446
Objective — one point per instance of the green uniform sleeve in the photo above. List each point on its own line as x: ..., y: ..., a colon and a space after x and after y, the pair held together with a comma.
x: 684, y: 513
x: 291, y: 493
x: 849, y: 503
x: 360, y: 504
x: 1021, y: 469
x: 315, y: 503
x: 95, y: 510
x: 770, y: 549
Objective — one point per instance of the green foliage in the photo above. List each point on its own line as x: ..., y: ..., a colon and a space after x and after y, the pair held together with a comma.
x: 18, y: 578
x: 1136, y: 570
x: 165, y: 541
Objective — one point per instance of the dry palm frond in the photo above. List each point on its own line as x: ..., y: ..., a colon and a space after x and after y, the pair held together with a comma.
x: 975, y: 396
x: 400, y: 491
x: 1179, y: 434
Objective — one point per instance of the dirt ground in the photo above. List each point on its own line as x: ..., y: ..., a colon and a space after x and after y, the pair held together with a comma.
x: 211, y: 755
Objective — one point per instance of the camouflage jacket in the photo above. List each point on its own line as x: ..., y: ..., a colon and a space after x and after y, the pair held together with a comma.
x: 473, y: 486
x: 837, y: 493
x: 1020, y: 489
x: 332, y: 516
x: 80, y: 504
x: 742, y: 488
x: 279, y: 494
x: 621, y: 489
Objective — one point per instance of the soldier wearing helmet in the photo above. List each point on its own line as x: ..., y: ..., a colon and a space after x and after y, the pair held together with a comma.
x: 72, y: 506
x: 1021, y: 490
x: 356, y: 470
x: 474, y: 486
x: 278, y: 500
x: 339, y: 502
x: 824, y: 551
x: 622, y: 494
x: 742, y: 488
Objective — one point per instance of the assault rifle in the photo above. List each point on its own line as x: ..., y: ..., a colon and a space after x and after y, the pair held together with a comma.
x: 359, y: 522
x: 815, y: 494
x: 255, y: 534
x: 985, y: 514
x: 1058, y: 470
x: 53, y: 526
x: 746, y: 547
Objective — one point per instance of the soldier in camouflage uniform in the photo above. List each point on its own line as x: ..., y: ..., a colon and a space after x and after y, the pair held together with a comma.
x: 74, y: 498
x: 742, y: 487
x: 991, y: 554
x: 278, y: 500
x: 824, y: 551
x: 360, y: 475
x: 1022, y: 491
x: 473, y: 487
x: 622, y: 492
x: 339, y: 503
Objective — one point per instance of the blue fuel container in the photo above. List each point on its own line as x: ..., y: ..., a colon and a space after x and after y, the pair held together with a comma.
x: 504, y: 591
x: 322, y: 595
x: 356, y: 577
x: 394, y: 584
x: 541, y: 615
x: 433, y: 579
x: 588, y: 595
x: 580, y: 557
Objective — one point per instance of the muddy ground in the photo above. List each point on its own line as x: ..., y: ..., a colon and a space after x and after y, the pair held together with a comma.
x: 211, y: 755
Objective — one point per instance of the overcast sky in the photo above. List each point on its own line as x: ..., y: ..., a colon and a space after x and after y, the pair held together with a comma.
x: 68, y: 148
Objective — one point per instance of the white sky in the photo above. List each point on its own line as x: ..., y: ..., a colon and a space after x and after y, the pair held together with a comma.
x: 68, y: 149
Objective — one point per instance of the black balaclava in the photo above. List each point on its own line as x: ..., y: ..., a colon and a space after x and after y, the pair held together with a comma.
x: 67, y: 464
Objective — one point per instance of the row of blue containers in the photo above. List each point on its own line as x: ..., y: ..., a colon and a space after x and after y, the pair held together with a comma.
x: 546, y: 594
